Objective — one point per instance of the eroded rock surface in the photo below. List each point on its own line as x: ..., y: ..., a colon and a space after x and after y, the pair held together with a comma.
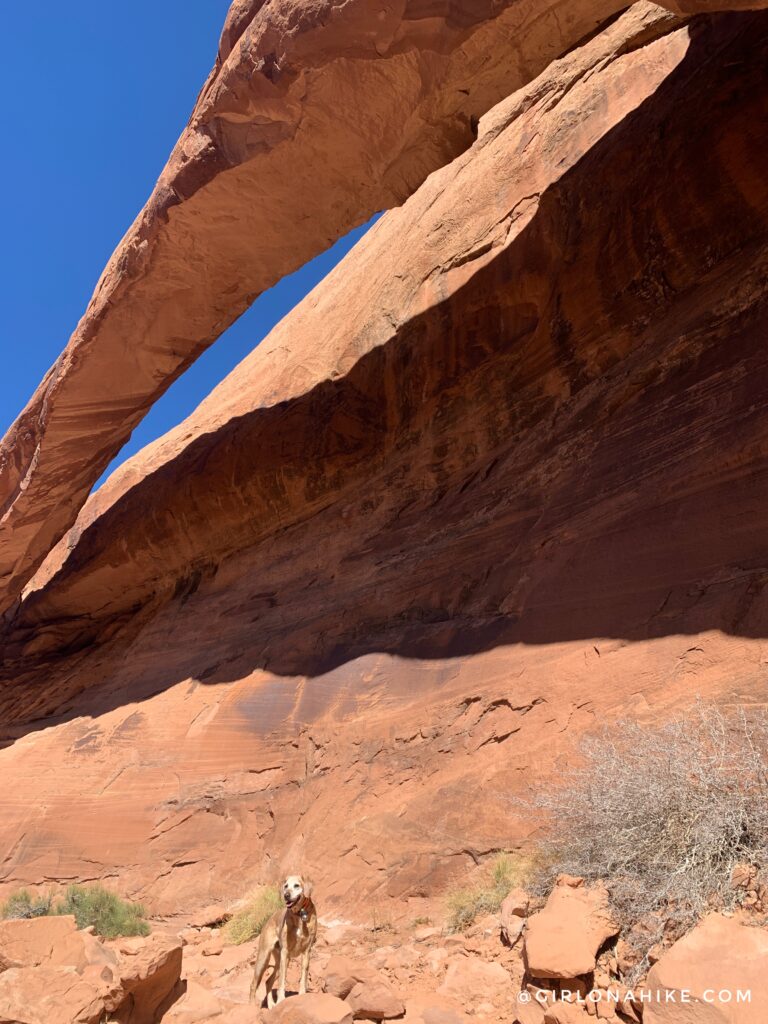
x: 58, y: 974
x: 315, y: 116
x: 720, y: 966
x: 495, y: 481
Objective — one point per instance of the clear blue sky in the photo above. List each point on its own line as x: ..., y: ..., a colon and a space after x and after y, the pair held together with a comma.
x: 95, y: 95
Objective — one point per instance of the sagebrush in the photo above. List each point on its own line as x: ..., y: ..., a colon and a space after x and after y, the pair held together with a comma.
x: 246, y: 923
x: 91, y: 905
x: 486, y: 895
x: 662, y: 814
x: 109, y: 915
x: 23, y: 904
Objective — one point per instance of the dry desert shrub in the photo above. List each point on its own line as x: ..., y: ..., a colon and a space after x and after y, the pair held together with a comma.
x: 662, y: 814
x: 246, y: 923
x: 23, y: 904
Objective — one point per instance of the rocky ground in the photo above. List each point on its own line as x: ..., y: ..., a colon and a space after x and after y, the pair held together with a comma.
x: 557, y: 961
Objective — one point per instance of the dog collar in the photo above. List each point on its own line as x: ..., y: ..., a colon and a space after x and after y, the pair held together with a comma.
x: 302, y: 908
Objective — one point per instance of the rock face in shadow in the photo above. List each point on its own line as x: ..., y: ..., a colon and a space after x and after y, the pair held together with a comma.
x: 315, y: 116
x: 496, y: 480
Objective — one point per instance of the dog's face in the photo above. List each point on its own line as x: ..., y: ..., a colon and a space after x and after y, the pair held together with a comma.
x: 294, y: 888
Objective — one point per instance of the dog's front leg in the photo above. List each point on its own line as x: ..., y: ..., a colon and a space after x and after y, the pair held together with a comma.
x: 304, y: 971
x: 283, y: 972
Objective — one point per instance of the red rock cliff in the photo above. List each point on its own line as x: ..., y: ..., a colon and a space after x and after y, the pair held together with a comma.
x: 497, y: 478
x: 315, y: 116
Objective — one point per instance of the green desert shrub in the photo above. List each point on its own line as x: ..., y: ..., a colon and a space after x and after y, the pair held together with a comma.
x: 90, y: 904
x: 109, y: 915
x: 485, y: 896
x: 247, y: 922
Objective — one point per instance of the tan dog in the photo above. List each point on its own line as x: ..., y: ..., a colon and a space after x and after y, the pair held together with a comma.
x: 287, y: 934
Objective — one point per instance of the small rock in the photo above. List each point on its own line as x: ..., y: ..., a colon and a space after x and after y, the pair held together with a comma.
x: 435, y: 959
x: 211, y: 915
x: 467, y: 976
x: 511, y: 930
x: 516, y: 903
x: 312, y: 1008
x: 375, y: 1000
x: 434, y: 1009
x: 565, y: 1013
x: 743, y: 876
x: 606, y: 1009
x: 531, y: 1012
x: 197, y: 1005
x: 342, y: 974
x: 337, y: 934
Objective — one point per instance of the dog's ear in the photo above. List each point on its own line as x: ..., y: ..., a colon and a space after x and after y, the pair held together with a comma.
x: 307, y: 886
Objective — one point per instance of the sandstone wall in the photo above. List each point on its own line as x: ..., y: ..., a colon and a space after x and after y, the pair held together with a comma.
x: 497, y: 480
x: 316, y: 115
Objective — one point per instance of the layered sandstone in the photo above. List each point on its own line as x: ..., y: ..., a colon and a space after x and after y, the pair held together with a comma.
x: 316, y: 115
x: 496, y: 479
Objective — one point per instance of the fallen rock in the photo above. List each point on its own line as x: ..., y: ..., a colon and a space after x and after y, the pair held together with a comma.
x: 563, y: 939
x: 342, y: 974
x: 469, y: 977
x: 375, y: 1000
x: 240, y: 1015
x: 50, y: 995
x: 34, y: 941
x: 196, y: 1006
x: 69, y: 975
x: 312, y: 1008
x: 513, y: 912
x: 337, y: 934
x: 565, y: 1013
x: 714, y: 962
x: 433, y: 1009
x: 743, y: 876
x: 150, y: 979
x: 515, y: 904
x: 209, y: 916
x: 528, y: 1012
x: 366, y: 991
